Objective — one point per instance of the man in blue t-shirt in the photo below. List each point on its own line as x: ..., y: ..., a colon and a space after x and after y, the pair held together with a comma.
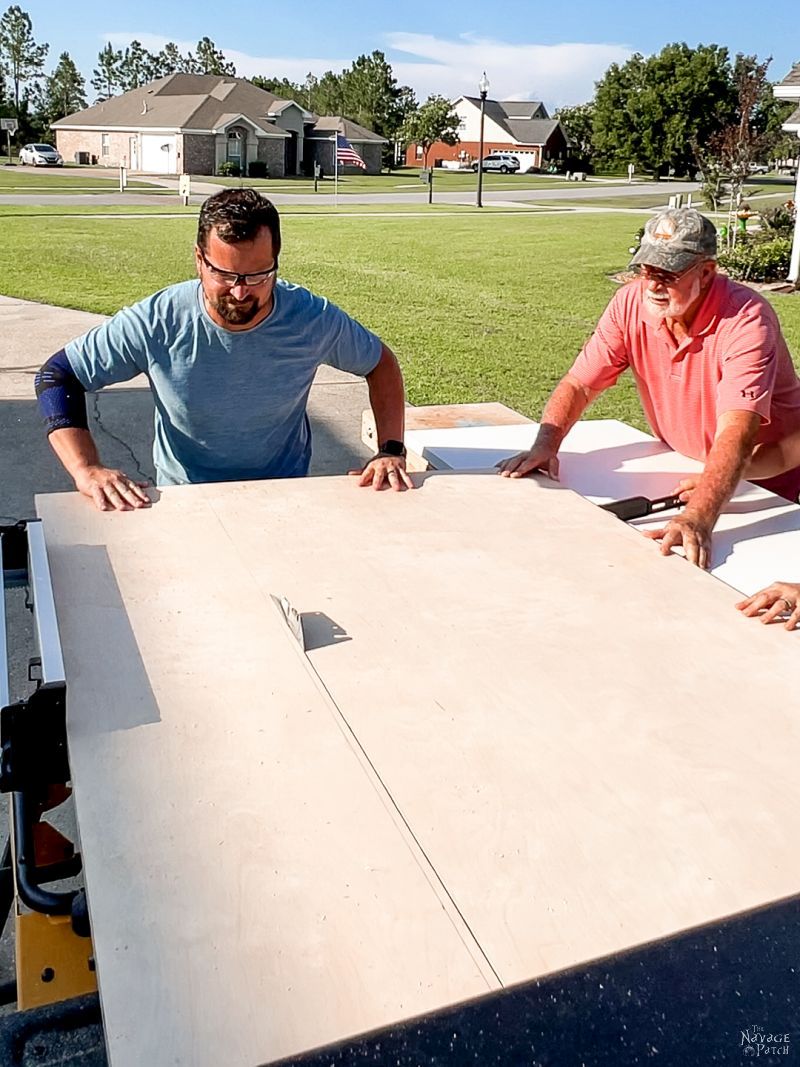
x: 230, y: 359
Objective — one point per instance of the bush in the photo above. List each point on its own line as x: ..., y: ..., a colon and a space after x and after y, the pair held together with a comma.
x: 257, y: 169
x: 758, y: 261
x: 779, y: 221
x: 229, y: 170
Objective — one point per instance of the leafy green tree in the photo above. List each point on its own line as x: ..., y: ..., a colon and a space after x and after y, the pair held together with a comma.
x: 137, y: 67
x: 61, y: 93
x: 209, y: 59
x: 170, y: 60
x: 433, y: 121
x: 727, y: 159
x: 328, y: 95
x: 578, y: 124
x: 772, y: 113
x: 21, y: 56
x: 280, y: 87
x: 650, y: 111
x: 370, y: 93
x: 107, y: 76
x: 373, y: 98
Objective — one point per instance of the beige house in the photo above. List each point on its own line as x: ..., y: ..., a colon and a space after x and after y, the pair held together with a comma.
x: 192, y: 124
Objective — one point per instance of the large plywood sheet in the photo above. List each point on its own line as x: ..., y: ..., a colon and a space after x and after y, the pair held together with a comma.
x: 252, y: 890
x: 575, y: 726
x: 757, y: 537
x: 579, y: 743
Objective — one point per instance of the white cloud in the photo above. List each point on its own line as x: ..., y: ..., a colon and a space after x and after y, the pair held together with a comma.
x: 558, y: 74
x: 247, y: 66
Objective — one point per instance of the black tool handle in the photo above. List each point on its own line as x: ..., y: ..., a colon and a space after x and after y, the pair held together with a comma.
x: 638, y: 507
x: 665, y: 503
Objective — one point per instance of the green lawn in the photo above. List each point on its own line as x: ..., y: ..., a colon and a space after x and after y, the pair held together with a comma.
x: 477, y: 306
x: 642, y: 202
x: 30, y: 180
x: 407, y: 181
x: 91, y: 210
x: 123, y: 211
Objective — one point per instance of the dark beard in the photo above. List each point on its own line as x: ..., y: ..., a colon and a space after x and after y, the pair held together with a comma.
x: 236, y: 312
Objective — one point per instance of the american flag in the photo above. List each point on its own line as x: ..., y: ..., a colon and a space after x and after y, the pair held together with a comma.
x: 346, y: 154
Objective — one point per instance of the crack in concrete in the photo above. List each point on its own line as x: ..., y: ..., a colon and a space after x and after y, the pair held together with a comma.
x: 95, y: 406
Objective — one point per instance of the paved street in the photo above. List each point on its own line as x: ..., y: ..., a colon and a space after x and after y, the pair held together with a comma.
x: 587, y: 191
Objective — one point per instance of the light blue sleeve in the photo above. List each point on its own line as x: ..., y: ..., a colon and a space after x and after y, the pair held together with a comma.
x: 350, y: 346
x: 115, y: 351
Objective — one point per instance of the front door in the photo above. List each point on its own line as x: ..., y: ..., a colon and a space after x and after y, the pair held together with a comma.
x: 133, y: 153
x: 237, y: 148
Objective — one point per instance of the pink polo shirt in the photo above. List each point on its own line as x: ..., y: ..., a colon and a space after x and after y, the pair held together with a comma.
x: 734, y: 359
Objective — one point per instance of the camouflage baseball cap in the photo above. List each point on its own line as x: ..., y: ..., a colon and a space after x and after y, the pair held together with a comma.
x: 675, y: 238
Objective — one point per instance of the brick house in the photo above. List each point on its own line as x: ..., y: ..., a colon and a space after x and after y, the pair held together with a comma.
x: 193, y: 123
x: 322, y: 138
x: 521, y: 127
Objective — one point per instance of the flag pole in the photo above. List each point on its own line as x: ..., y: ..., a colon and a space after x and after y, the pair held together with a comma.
x: 335, y: 170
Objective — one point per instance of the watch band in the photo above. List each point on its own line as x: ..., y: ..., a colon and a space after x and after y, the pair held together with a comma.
x: 391, y: 448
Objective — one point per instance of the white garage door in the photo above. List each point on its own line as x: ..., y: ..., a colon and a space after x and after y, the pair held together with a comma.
x: 158, y: 153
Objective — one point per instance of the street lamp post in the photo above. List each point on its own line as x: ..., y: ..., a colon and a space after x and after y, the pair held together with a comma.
x: 483, y: 89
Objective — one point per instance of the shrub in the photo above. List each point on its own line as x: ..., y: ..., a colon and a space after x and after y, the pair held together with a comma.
x: 257, y: 169
x: 229, y: 170
x: 758, y: 261
x: 779, y: 221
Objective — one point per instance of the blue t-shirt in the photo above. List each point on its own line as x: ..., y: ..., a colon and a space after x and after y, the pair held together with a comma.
x: 229, y: 405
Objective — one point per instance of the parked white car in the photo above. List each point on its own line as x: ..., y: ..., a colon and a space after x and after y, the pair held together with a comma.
x: 501, y: 161
x: 40, y: 155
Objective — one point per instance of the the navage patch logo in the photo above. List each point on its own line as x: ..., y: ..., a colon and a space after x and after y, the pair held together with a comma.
x: 755, y: 1042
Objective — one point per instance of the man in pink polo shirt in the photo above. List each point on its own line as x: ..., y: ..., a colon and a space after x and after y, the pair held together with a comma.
x: 711, y: 365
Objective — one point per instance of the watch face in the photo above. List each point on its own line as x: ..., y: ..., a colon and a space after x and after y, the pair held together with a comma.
x: 393, y: 448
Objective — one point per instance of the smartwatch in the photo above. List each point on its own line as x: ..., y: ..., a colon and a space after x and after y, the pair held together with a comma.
x: 392, y: 448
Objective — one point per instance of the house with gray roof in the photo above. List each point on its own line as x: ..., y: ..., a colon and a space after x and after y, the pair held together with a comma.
x: 522, y: 128
x: 322, y: 140
x: 789, y: 89
x: 193, y: 123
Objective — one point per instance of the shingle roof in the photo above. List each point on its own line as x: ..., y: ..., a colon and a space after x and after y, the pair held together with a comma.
x: 515, y: 117
x: 534, y: 131
x: 326, y: 125
x: 181, y: 101
x: 793, y: 121
x: 793, y: 77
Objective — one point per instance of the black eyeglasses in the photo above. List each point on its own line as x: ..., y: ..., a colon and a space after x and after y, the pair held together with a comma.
x: 230, y: 278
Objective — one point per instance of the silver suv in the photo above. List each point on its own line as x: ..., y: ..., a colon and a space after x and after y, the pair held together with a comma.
x: 501, y: 161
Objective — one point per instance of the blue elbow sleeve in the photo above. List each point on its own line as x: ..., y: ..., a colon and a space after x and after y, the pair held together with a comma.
x: 62, y: 398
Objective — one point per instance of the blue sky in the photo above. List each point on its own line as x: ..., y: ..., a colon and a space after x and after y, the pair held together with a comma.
x: 552, y: 52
